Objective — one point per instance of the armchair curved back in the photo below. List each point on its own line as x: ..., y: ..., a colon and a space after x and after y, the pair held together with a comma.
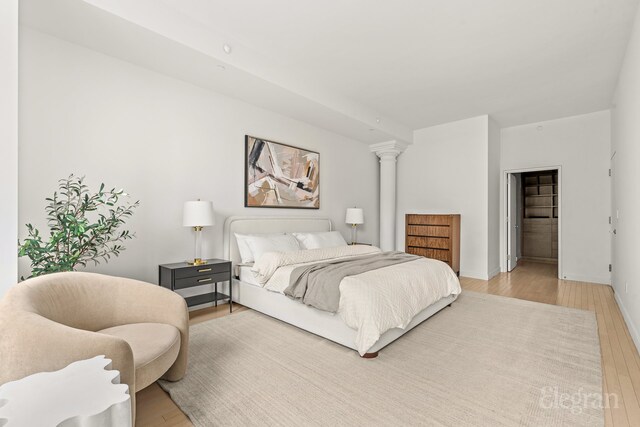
x: 80, y: 300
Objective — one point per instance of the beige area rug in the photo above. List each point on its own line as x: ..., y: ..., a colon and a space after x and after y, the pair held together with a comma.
x: 487, y: 360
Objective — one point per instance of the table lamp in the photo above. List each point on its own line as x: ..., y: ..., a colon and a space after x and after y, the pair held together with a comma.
x: 354, y: 217
x: 198, y: 214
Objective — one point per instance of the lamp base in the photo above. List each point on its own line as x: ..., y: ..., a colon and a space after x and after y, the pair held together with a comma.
x: 354, y: 234
x: 197, y: 261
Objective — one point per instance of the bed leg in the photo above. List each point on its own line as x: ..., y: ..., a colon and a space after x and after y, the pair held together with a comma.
x: 449, y: 305
x: 370, y: 355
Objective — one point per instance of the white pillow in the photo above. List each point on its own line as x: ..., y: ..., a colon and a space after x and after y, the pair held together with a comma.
x: 322, y: 239
x: 282, y: 243
x: 243, y: 246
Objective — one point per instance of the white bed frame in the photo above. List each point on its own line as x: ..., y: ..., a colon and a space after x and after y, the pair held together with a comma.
x: 322, y: 323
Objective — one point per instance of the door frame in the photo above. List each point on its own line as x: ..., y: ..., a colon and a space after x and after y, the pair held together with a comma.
x: 512, y: 220
x: 613, y: 221
x: 504, y: 213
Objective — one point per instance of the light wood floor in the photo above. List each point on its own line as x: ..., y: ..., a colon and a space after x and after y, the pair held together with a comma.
x: 154, y: 406
x: 530, y: 281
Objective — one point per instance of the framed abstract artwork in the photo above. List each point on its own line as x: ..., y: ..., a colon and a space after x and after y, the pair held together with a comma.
x: 280, y: 175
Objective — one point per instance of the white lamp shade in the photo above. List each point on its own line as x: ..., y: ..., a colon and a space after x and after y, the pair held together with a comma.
x: 198, y: 214
x: 355, y: 216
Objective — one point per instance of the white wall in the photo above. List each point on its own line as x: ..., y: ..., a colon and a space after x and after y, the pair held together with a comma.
x: 165, y: 142
x: 446, y: 170
x: 580, y: 145
x: 626, y: 185
x: 8, y: 143
x: 493, y: 172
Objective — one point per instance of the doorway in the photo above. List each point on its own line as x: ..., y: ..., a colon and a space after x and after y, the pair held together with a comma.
x: 533, y: 218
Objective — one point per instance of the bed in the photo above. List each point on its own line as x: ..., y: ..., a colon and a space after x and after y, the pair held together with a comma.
x: 248, y: 292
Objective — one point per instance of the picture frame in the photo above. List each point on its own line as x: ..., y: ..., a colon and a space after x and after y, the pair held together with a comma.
x: 279, y: 175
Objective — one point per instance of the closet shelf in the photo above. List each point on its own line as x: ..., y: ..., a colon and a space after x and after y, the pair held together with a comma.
x: 540, y: 216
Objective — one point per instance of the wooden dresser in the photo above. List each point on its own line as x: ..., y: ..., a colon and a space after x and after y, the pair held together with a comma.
x: 434, y: 236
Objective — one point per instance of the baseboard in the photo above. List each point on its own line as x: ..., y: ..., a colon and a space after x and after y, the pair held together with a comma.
x: 494, y: 273
x: 538, y: 259
x: 479, y: 275
x: 627, y: 319
x: 601, y: 280
x: 473, y: 274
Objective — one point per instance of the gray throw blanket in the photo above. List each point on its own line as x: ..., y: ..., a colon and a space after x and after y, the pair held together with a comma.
x: 318, y: 285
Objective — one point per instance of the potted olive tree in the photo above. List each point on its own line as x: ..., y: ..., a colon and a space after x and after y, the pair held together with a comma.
x: 84, y: 227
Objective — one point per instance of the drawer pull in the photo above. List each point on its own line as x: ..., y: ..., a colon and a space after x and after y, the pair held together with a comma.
x: 204, y: 270
x: 208, y: 279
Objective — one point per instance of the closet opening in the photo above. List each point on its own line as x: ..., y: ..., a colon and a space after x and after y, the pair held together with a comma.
x: 533, y: 219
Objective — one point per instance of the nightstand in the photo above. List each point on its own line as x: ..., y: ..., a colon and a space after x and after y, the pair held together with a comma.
x: 183, y: 275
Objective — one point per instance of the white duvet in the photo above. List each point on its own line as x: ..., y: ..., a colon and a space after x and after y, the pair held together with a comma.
x: 371, y: 302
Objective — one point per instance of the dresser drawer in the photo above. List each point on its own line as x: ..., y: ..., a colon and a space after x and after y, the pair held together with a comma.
x: 439, y: 254
x: 428, y: 242
x: 202, y: 270
x: 189, y: 282
x: 428, y: 219
x: 428, y: 230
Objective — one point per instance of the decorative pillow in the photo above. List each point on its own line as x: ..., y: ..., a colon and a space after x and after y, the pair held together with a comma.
x: 243, y: 246
x: 260, y: 245
x: 322, y: 239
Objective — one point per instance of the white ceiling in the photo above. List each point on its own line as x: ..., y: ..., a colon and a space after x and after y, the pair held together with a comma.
x: 409, y: 63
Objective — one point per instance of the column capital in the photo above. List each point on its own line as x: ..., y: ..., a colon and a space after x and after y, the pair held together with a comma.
x: 389, y: 149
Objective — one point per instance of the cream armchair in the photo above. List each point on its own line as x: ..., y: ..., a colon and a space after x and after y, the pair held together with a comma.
x: 50, y: 321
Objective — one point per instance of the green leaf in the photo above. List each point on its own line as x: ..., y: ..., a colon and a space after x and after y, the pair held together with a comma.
x: 76, y: 239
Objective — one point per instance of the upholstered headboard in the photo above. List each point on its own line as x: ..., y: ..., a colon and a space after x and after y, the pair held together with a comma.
x: 267, y: 224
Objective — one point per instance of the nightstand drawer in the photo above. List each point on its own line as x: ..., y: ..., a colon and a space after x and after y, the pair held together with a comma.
x: 181, y: 275
x: 189, y: 282
x: 202, y: 270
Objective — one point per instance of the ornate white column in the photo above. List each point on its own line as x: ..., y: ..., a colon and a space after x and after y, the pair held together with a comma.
x: 388, y: 152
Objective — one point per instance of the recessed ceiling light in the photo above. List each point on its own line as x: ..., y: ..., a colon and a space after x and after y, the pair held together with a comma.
x: 226, y: 48
x: 377, y: 119
x: 222, y: 67
x: 371, y: 129
x: 539, y: 128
